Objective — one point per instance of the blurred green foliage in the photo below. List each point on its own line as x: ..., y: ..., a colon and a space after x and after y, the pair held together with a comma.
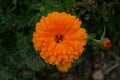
x: 19, y: 61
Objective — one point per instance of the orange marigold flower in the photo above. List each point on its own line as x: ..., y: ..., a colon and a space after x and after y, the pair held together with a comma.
x: 106, y: 43
x: 60, y: 38
x: 64, y: 68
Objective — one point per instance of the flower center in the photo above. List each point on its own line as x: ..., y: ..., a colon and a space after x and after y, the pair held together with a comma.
x: 59, y: 38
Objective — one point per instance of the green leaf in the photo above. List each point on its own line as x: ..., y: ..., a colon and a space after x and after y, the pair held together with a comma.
x: 36, y: 6
x: 35, y: 63
x: 22, y: 44
x: 91, y: 36
x: 68, y: 3
x: 79, y: 60
x: 34, y: 19
x: 54, y: 75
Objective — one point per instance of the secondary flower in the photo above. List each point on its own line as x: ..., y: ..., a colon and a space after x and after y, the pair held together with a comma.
x: 60, y: 38
x: 106, y: 43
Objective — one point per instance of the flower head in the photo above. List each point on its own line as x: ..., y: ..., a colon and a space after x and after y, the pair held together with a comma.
x: 60, y: 38
x: 106, y: 43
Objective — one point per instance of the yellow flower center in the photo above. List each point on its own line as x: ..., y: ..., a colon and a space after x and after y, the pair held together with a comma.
x: 59, y: 38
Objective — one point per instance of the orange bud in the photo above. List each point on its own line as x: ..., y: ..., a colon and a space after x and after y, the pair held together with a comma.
x: 106, y: 43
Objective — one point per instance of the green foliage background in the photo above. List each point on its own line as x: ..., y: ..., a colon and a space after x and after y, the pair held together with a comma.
x: 19, y: 61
